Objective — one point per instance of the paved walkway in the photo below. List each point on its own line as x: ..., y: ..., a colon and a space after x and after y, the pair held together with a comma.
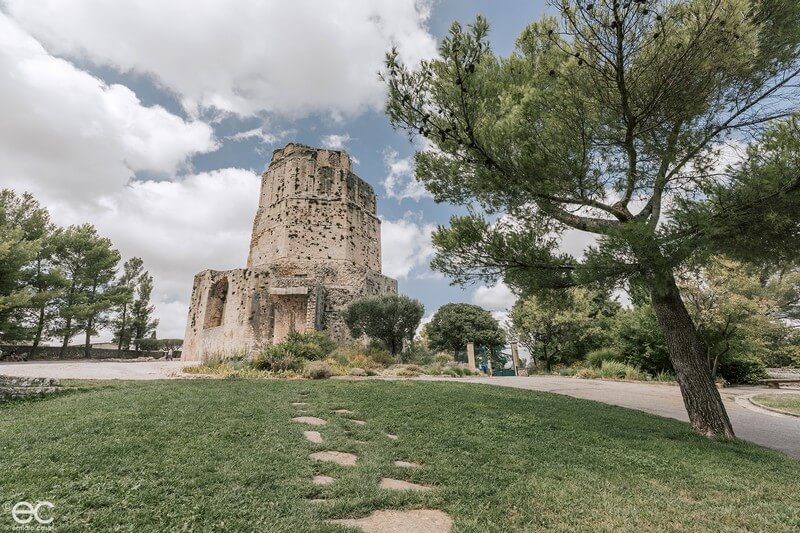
x: 773, y: 430
x: 93, y: 369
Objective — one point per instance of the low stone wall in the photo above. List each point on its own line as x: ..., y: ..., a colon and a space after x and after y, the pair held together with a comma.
x: 16, y: 388
x: 49, y: 353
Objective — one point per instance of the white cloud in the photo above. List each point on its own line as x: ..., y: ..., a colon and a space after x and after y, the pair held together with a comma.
x: 498, y: 297
x: 405, y: 245
x: 399, y: 181
x: 178, y: 228
x: 293, y: 58
x: 258, y: 133
x: 67, y: 134
x: 334, y: 142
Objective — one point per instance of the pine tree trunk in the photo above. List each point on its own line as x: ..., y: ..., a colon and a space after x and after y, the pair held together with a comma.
x: 37, y: 338
x: 700, y: 395
x: 122, y: 326
x: 88, y: 346
x: 67, y: 332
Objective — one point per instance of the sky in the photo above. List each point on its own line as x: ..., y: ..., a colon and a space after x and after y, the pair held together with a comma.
x: 154, y: 120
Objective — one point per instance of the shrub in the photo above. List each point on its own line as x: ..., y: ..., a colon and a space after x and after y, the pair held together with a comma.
x: 634, y: 373
x: 664, y: 376
x: 317, y: 370
x: 613, y: 369
x: 443, y: 358
x: 404, y: 371
x: 277, y: 359
x: 587, y: 373
x: 595, y: 358
x: 742, y: 369
x: 312, y: 345
x: 639, y: 341
x: 567, y: 371
x: 359, y: 372
x: 419, y: 354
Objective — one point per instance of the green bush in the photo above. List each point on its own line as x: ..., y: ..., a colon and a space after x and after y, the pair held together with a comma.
x: 317, y: 370
x: 639, y: 341
x: 312, y: 345
x: 419, y: 354
x: 443, y: 358
x: 567, y: 371
x: 277, y: 359
x: 613, y: 369
x: 742, y: 369
x: 587, y: 373
x: 664, y: 376
x: 595, y: 358
x: 358, y: 372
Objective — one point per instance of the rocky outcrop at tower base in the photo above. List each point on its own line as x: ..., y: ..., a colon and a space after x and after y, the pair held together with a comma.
x: 315, y: 248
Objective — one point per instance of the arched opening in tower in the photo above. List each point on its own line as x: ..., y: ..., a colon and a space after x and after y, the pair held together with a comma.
x: 215, y: 304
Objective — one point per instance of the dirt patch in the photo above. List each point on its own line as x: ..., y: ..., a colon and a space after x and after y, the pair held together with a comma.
x: 313, y: 436
x: 407, y: 464
x: 393, y: 437
x: 415, y: 521
x: 299, y: 404
x: 358, y: 422
x: 310, y: 420
x: 343, y: 411
x: 399, y: 484
x: 323, y: 480
x: 340, y: 458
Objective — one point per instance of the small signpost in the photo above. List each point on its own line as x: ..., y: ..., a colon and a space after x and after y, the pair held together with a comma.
x: 471, y: 355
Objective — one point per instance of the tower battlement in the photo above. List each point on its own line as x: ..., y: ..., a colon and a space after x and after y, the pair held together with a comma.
x: 312, y: 207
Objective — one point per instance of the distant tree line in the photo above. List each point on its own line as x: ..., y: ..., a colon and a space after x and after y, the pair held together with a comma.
x: 747, y: 316
x: 57, y: 283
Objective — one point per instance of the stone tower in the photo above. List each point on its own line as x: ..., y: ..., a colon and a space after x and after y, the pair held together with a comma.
x: 315, y: 248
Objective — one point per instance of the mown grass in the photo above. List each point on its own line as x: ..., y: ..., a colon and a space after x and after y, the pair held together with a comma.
x: 210, y: 455
x: 785, y: 402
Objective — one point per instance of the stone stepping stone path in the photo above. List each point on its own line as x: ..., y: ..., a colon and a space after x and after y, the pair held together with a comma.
x: 386, y: 521
x: 340, y: 458
x: 310, y: 420
x: 313, y: 436
x: 399, y: 484
x: 414, y: 521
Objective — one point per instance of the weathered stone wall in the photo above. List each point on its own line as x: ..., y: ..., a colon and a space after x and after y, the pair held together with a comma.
x: 315, y: 248
x: 49, y: 353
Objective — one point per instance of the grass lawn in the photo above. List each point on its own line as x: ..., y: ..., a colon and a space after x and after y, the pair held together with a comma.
x: 209, y: 455
x: 785, y: 402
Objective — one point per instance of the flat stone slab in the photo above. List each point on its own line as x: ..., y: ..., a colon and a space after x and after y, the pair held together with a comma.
x: 407, y: 464
x: 343, y: 411
x: 313, y: 436
x: 310, y: 420
x: 323, y: 480
x: 299, y: 404
x: 340, y: 458
x: 399, y: 484
x: 415, y: 521
x: 358, y: 422
x: 393, y: 437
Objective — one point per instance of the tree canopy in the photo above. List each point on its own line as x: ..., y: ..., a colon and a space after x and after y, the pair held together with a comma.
x: 622, y: 120
x: 456, y: 324
x: 390, y: 319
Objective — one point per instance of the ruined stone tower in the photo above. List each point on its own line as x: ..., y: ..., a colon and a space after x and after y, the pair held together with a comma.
x: 315, y: 247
